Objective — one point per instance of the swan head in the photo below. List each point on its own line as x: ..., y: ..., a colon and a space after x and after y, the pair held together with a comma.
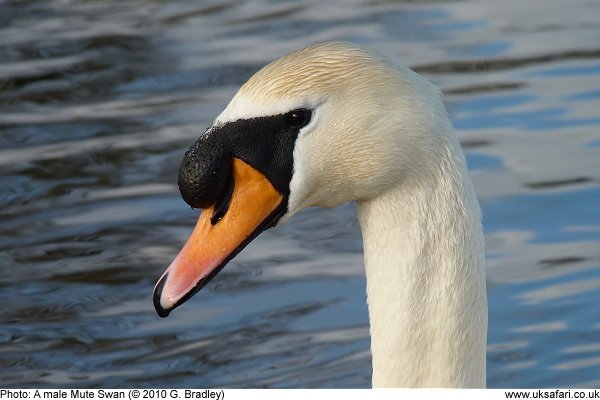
x: 321, y: 126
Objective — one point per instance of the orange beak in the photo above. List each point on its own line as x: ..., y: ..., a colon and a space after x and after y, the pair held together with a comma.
x: 255, y: 205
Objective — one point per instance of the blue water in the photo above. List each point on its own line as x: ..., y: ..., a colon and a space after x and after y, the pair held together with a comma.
x: 99, y: 101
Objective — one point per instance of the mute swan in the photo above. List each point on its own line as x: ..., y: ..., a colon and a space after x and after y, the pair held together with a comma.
x: 334, y: 123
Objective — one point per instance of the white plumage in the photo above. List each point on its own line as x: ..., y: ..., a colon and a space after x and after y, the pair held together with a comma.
x: 380, y: 136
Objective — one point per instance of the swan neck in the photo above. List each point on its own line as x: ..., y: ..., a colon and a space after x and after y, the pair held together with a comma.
x: 424, y: 260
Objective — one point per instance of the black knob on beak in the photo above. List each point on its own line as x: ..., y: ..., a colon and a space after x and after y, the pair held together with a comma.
x: 204, y: 172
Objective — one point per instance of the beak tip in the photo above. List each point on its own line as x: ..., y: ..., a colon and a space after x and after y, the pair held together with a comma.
x: 162, y: 312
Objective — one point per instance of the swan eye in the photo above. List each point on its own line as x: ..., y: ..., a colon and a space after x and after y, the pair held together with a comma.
x: 299, y: 118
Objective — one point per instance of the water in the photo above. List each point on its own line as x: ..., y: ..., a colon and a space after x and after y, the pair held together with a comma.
x: 99, y: 100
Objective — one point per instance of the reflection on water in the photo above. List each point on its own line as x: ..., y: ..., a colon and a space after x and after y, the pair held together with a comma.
x: 99, y: 101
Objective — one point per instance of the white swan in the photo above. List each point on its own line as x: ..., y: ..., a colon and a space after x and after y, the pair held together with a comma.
x: 334, y: 123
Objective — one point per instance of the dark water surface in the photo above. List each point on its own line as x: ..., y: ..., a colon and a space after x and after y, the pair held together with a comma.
x: 99, y: 100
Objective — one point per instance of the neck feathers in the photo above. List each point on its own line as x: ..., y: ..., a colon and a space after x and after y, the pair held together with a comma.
x: 424, y: 257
